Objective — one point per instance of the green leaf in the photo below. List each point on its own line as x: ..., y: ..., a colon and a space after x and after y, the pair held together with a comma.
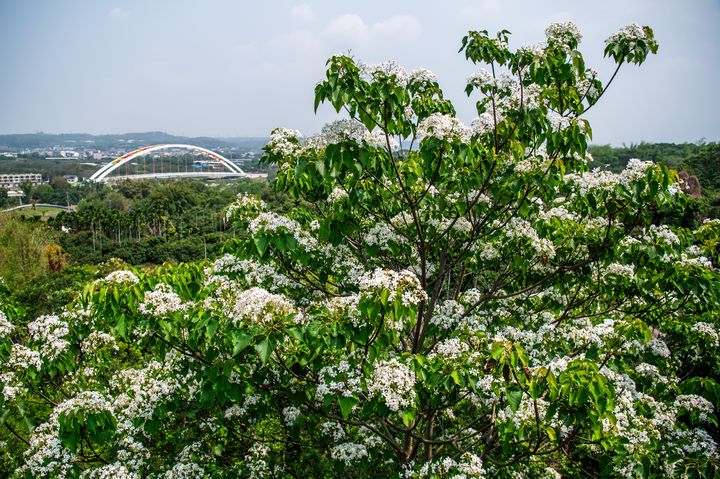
x: 261, y: 243
x: 264, y: 348
x: 240, y: 340
x: 346, y: 405
x: 514, y: 395
x: 408, y: 416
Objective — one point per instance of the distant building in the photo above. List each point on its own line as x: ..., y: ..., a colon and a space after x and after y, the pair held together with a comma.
x: 13, y: 180
x: 71, y: 179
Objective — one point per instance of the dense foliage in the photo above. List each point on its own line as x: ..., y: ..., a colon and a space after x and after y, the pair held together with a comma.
x: 700, y: 160
x: 445, y: 301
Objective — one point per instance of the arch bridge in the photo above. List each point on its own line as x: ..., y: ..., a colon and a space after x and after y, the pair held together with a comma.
x: 102, y: 175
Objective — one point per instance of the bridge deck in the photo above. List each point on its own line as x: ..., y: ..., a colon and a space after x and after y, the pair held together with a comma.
x: 169, y: 175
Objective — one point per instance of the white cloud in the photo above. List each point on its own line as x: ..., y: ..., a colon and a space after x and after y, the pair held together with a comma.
x: 119, y: 13
x: 352, y: 28
x: 291, y: 45
x: 303, y: 13
x: 247, y: 50
x: 404, y: 28
x: 349, y: 26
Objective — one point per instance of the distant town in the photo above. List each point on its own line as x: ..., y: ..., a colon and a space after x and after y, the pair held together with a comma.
x: 43, y: 158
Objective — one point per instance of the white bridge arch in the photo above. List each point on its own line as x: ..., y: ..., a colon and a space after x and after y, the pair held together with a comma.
x: 102, y: 173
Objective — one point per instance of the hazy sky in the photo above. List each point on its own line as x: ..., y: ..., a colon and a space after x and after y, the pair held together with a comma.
x: 234, y: 68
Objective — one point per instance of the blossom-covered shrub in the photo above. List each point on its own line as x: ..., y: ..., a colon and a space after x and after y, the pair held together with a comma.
x: 447, y: 301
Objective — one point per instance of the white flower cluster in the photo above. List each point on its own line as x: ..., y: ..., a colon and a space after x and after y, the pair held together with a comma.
x: 604, y: 180
x: 273, y: 223
x: 342, y: 379
x: 558, y: 212
x: 696, y: 261
x: 140, y: 391
x: 6, y: 327
x: 344, y: 308
x: 161, y: 301
x: 240, y: 411
x: 622, y: 270
x: 333, y: 430
x: 184, y: 470
x: 388, y: 68
x: 443, y: 127
x: 447, y: 314
x: 694, y: 441
x: 631, y: 33
x: 652, y: 372
x: 562, y: 34
x: 348, y: 452
x: 661, y: 234
x: 115, y: 470
x: 403, y: 285
x: 394, y: 381
x: 484, y: 123
x: 252, y: 272
x: 290, y: 415
x: 381, y: 235
x: 49, y: 332
x: 22, y: 357
x: 349, y: 130
x: 468, y: 467
x: 98, y: 340
x: 257, y: 461
x: 449, y: 349
x: 285, y: 142
x: 636, y: 169
x: 695, y: 403
x: 260, y: 307
x: 420, y: 77
x: 120, y: 277
x: 245, y: 207
x: 336, y: 195
x: 482, y: 78
x: 518, y: 228
x: 79, y: 314
x: 708, y: 331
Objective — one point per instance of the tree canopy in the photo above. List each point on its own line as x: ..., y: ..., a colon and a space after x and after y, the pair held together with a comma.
x: 443, y: 301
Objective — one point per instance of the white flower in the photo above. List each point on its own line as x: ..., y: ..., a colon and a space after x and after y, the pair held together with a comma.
x: 96, y: 341
x: 6, y: 327
x: 161, y: 301
x: 285, y: 142
x: 258, y: 306
x: 120, y: 277
x: 290, y: 415
x: 394, y: 381
x: 49, y: 331
x: 709, y: 331
x: 422, y: 77
x: 562, y: 34
x: 631, y: 33
x: 622, y: 270
x: 443, y: 127
x: 348, y: 452
x: 386, y: 69
x: 403, y: 285
x: 449, y: 349
x: 693, y: 402
x: 337, y: 194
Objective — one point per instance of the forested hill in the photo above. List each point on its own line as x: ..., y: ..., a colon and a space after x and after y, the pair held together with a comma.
x: 70, y: 140
x: 698, y: 159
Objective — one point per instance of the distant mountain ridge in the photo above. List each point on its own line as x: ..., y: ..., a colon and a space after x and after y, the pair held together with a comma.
x: 86, y: 140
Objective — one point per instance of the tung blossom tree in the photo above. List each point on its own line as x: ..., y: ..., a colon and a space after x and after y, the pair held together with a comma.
x: 445, y: 301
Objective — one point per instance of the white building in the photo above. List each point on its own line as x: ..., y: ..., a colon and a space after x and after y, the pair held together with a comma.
x: 13, y: 180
